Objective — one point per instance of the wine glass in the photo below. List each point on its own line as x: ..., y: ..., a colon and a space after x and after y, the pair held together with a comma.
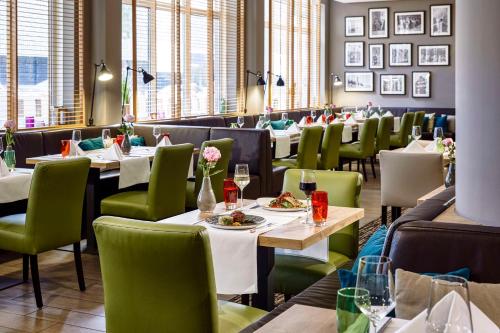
x: 261, y: 122
x: 156, y: 132
x: 1, y: 146
x: 308, y: 186
x: 284, y: 117
x: 416, y: 133
x: 241, y: 178
x: 240, y: 121
x: 106, y: 137
x: 441, y: 302
x: 313, y: 114
x: 438, y: 133
x: 76, y: 136
x: 375, y: 275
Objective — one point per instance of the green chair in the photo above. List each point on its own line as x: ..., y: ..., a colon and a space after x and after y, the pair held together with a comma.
x: 159, y: 278
x: 360, y: 151
x: 418, y: 119
x: 329, y: 157
x: 307, y: 153
x: 193, y: 188
x: 400, y: 140
x: 53, y: 217
x: 292, y: 274
x: 165, y: 196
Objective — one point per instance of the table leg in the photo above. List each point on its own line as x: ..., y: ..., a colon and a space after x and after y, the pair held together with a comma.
x: 92, y: 208
x: 264, y: 299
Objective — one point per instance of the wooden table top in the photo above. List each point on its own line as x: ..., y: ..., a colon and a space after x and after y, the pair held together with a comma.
x: 302, y: 318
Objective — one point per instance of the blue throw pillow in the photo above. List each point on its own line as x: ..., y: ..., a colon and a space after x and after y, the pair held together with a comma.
x: 278, y: 124
x: 373, y: 247
x: 138, y: 141
x: 91, y: 144
x: 462, y: 272
x: 442, y: 122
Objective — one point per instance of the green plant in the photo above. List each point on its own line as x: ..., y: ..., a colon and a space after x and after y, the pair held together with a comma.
x: 125, y: 93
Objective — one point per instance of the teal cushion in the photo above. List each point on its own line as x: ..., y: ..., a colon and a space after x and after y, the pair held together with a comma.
x: 461, y: 272
x: 373, y: 247
x: 138, y: 141
x: 278, y: 124
x: 91, y: 144
x: 442, y: 122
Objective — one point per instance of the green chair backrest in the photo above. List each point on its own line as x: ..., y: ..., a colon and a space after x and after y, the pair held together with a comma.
x: 385, y: 126
x: 307, y: 152
x: 419, y: 118
x: 330, y: 147
x: 55, y: 204
x: 156, y: 277
x: 367, y: 139
x: 167, y: 183
x: 226, y: 149
x: 406, y: 126
x: 344, y: 190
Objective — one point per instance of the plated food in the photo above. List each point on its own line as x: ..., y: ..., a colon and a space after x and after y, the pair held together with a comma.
x: 285, y: 202
x: 236, y: 220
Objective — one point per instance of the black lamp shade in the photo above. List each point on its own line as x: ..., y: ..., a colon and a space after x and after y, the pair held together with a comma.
x: 260, y: 81
x: 280, y: 82
x: 146, y: 77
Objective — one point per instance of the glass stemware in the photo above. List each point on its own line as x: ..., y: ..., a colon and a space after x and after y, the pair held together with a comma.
x: 76, y: 136
x: 1, y: 146
x: 156, y: 132
x: 416, y: 133
x: 375, y: 275
x: 284, y: 116
x: 441, y: 303
x: 438, y: 133
x: 308, y: 186
x: 313, y: 114
x: 106, y: 137
x: 241, y: 178
x: 240, y: 121
x: 261, y: 122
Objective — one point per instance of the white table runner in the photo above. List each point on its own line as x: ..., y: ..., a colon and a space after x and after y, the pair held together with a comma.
x: 282, y: 143
x: 15, y: 187
x: 397, y: 124
x: 347, y: 134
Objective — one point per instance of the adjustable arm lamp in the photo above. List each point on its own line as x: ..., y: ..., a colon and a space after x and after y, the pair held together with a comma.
x: 104, y: 75
x: 260, y: 82
x: 146, y: 78
x: 335, y: 81
x: 280, y: 82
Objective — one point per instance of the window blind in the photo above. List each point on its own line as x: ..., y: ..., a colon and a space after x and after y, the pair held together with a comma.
x: 41, y: 62
x: 194, y: 48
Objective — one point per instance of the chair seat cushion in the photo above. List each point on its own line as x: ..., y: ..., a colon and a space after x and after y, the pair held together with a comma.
x: 286, y: 162
x: 292, y: 274
x: 190, y: 197
x: 395, y: 141
x: 12, y: 233
x: 351, y: 150
x: 132, y: 204
x: 235, y: 317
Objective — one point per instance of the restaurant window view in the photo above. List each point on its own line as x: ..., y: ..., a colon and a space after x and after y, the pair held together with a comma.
x: 249, y: 166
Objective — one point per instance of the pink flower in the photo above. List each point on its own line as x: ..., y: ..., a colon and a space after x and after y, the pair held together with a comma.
x: 10, y: 124
x: 269, y: 109
x: 211, y: 154
x: 129, y: 118
x: 448, y: 142
x: 370, y: 103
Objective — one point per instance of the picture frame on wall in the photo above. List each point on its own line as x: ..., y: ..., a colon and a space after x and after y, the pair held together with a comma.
x: 440, y: 20
x: 421, y: 84
x: 376, y: 56
x: 392, y: 84
x: 409, y: 23
x: 378, y: 23
x: 354, y: 26
x: 358, y: 82
x: 434, y: 55
x: 354, y: 54
x: 400, y: 55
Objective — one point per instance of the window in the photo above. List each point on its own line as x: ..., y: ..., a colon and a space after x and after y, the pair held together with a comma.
x: 193, y: 48
x: 293, y: 39
x: 41, y: 62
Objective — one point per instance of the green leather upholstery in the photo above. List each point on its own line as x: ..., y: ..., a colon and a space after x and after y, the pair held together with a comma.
x: 166, y: 193
x: 400, y: 139
x: 366, y: 145
x: 419, y: 118
x: 54, y: 214
x: 329, y: 157
x: 385, y: 126
x: 159, y: 278
x: 307, y: 152
x: 293, y: 274
x: 193, y: 188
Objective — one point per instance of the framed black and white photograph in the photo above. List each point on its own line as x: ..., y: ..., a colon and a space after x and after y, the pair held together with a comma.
x: 409, y: 23
x: 354, y: 54
x: 378, y: 23
x: 376, y: 56
x: 433, y: 55
x: 392, y: 84
x: 400, y: 54
x: 440, y: 20
x: 358, y: 82
x: 354, y: 26
x: 421, y: 84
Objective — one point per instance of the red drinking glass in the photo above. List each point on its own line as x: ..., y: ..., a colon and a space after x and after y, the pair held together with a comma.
x: 320, y: 207
x: 323, y: 118
x: 119, y: 139
x: 347, y: 116
x: 309, y: 120
x: 331, y: 119
x: 65, y: 148
x: 230, y: 194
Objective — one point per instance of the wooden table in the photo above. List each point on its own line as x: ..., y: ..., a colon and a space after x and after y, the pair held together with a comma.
x: 302, y: 318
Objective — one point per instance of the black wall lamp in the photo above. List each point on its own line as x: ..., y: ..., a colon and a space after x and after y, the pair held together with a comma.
x: 280, y: 82
x: 104, y: 75
x: 146, y: 78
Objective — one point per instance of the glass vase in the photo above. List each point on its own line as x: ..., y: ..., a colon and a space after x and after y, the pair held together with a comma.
x: 450, y: 177
x: 10, y: 158
x: 126, y: 146
x: 206, y: 198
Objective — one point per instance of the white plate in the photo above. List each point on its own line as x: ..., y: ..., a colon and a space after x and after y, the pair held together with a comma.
x: 256, y: 222
x: 264, y: 203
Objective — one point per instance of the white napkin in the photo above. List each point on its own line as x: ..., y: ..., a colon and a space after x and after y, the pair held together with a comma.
x: 318, y: 251
x: 432, y: 147
x: 282, y: 146
x: 397, y: 124
x: 414, y: 147
x: 375, y: 115
x: 388, y: 114
x: 164, y: 142
x: 113, y: 153
x: 320, y: 120
x: 4, y: 170
x: 75, y: 150
x: 347, y: 134
x: 480, y: 322
x: 336, y: 121
x: 15, y: 187
x: 351, y: 121
x: 271, y: 131
x: 135, y: 170
x: 302, y: 122
x: 293, y: 129
x: 359, y: 115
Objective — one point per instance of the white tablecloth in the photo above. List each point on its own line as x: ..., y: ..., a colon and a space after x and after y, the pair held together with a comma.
x: 397, y: 124
x: 282, y: 143
x: 347, y: 134
x: 15, y: 187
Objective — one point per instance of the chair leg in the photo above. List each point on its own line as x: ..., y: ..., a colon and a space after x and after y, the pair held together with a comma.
x: 36, y: 280
x: 350, y: 165
x: 372, y: 162
x: 245, y: 299
x: 78, y: 263
x: 341, y: 165
x: 396, y: 213
x: 364, y: 170
x: 384, y: 215
x: 26, y: 267
x: 287, y: 297
x: 357, y: 165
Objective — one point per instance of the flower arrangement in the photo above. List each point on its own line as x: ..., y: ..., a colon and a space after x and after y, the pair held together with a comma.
x: 127, y: 126
x: 211, y: 155
x: 9, y: 133
x: 450, y: 148
x: 269, y: 109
